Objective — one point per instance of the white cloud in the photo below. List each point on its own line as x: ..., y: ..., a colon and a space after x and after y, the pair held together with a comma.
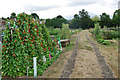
x: 52, y: 8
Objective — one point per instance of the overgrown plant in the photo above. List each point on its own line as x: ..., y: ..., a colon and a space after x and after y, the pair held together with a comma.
x: 29, y: 38
x: 65, y: 33
x: 97, y: 29
x: 98, y: 35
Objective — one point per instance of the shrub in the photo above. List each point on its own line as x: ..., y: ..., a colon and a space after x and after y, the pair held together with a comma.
x: 110, y: 34
x: 65, y: 33
x: 101, y: 40
x: 53, y: 31
x: 98, y: 36
x: 97, y: 29
x: 29, y: 39
x: 106, y: 42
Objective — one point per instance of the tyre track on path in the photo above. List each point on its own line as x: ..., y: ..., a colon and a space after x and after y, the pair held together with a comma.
x: 106, y: 71
x: 68, y: 69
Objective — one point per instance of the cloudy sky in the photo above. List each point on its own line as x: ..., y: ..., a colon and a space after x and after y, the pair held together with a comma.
x: 52, y: 8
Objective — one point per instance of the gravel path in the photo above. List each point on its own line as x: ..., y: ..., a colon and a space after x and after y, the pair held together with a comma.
x: 68, y: 69
x: 106, y: 71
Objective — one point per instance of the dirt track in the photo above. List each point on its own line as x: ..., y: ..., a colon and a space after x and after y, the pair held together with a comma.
x: 83, y: 61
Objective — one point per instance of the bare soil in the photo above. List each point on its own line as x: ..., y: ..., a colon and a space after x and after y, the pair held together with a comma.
x: 110, y: 54
x: 86, y: 65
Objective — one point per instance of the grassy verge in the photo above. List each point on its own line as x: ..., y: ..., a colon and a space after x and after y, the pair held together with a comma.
x: 72, y: 43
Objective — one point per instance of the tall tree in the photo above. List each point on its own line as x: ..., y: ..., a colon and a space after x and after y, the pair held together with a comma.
x: 75, y: 22
x: 116, y: 18
x: 105, y: 20
x: 76, y: 16
x: 86, y: 22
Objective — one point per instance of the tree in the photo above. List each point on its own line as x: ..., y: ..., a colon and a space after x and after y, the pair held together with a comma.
x: 34, y: 15
x: 116, y: 18
x: 59, y: 17
x: 95, y: 19
x: 81, y: 20
x: 56, y: 22
x: 86, y: 22
x: 49, y: 23
x: 76, y: 16
x: 105, y: 20
x: 13, y: 15
x: 75, y: 22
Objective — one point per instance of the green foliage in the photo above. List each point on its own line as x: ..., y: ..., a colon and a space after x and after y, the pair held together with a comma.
x: 29, y: 39
x: 56, y: 22
x: 97, y: 29
x: 53, y: 31
x: 95, y: 18
x: 105, y: 20
x: 110, y: 34
x: 65, y: 33
x: 98, y: 36
x: 100, y: 40
x: 34, y: 15
x: 116, y: 18
x: 88, y: 48
x: 106, y: 42
x: 13, y: 15
x: 81, y: 21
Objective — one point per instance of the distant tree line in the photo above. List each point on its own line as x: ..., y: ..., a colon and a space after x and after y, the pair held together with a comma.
x: 83, y: 20
x: 80, y: 20
x: 56, y: 22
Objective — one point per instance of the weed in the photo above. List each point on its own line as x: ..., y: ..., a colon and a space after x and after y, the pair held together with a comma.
x: 89, y: 48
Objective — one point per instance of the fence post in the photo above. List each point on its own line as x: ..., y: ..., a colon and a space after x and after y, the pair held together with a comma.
x: 27, y: 71
x: 60, y: 43
x: 35, y: 67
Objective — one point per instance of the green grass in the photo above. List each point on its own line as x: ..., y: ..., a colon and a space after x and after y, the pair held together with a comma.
x: 88, y: 48
x: 72, y: 43
x: 80, y: 46
x: 86, y: 41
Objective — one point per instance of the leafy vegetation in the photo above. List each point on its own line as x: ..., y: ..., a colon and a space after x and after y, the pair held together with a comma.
x: 56, y: 22
x: 65, y: 33
x: 97, y: 29
x: 110, y: 34
x: 81, y: 21
x: 97, y: 33
x: 29, y: 38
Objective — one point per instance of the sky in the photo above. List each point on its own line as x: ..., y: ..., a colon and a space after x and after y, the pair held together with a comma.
x: 52, y: 8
